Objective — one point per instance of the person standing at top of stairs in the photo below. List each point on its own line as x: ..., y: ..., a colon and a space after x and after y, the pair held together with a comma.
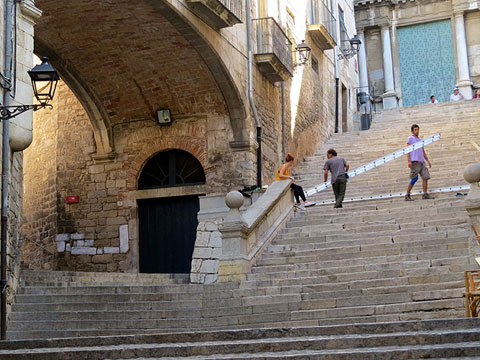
x: 416, y: 163
x: 338, y: 168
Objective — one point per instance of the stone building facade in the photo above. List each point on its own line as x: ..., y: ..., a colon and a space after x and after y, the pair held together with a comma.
x: 24, y: 13
x: 415, y: 49
x: 100, y: 163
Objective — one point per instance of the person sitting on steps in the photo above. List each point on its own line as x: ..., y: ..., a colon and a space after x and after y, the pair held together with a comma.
x: 283, y: 173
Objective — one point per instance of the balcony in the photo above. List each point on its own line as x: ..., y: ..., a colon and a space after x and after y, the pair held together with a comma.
x: 273, y: 54
x: 321, y: 25
x: 218, y: 13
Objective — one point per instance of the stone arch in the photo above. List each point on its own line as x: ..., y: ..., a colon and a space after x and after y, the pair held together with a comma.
x: 212, y: 59
x: 171, y: 168
x: 152, y: 148
x: 98, y: 116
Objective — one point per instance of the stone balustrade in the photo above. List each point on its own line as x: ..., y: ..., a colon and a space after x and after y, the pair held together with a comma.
x: 472, y: 203
x: 230, y: 237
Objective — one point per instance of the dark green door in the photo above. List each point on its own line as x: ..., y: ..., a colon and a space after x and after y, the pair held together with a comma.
x: 427, y: 63
x: 167, y: 233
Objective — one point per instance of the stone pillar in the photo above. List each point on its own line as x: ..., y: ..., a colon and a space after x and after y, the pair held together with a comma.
x: 389, y: 96
x: 234, y: 264
x: 363, y: 69
x: 472, y: 204
x: 464, y: 83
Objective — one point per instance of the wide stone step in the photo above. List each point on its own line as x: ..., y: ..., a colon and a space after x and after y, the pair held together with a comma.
x: 384, y: 240
x: 113, y: 297
x: 390, y: 340
x: 74, y: 288
x: 407, y: 232
x: 41, y: 276
x: 405, y: 245
x: 379, y: 261
x: 419, y: 253
x: 418, y: 216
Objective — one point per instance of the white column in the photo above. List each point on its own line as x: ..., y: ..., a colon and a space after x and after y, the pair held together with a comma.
x: 362, y: 62
x: 389, y: 96
x: 464, y: 82
x: 363, y: 68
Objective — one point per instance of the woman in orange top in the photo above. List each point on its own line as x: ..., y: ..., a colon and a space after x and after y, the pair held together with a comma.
x: 283, y: 173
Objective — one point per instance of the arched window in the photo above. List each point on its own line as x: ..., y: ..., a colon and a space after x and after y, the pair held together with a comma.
x: 171, y: 168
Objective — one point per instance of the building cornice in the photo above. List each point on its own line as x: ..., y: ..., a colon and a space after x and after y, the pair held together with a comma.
x: 29, y: 10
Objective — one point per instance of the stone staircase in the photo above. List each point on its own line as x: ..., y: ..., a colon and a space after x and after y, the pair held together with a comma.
x: 389, y: 132
x: 368, y: 281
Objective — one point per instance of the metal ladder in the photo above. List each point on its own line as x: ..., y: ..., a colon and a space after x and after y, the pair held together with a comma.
x: 373, y: 164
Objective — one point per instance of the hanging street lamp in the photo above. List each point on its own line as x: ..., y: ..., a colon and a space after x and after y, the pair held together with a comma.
x: 303, y: 51
x: 44, y: 82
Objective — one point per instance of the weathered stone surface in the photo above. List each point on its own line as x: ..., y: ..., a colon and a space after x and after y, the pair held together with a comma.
x: 60, y: 246
x: 62, y: 237
x: 123, y: 238
x: 77, y: 236
x: 111, y: 250
x: 83, y: 251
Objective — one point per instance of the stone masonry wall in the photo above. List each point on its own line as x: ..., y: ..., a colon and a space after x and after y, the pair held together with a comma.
x: 93, y: 234
x: 472, y: 25
x: 40, y: 200
x: 88, y: 232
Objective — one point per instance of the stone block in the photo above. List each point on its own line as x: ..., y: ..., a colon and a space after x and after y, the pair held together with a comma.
x: 215, y: 239
x: 62, y: 237
x: 100, y: 251
x: 83, y: 250
x: 78, y: 243
x: 203, y: 252
x: 102, y: 259
x: 203, y: 237
x: 68, y: 247
x: 60, y: 246
x: 211, y: 279
x: 77, y: 236
x: 197, y: 278
x: 196, y: 264
x: 216, y: 253
x: 209, y: 226
x: 123, y: 238
x: 111, y: 250
x: 209, y: 267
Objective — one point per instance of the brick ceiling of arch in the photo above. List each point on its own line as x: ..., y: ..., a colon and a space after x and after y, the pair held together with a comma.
x: 131, y: 57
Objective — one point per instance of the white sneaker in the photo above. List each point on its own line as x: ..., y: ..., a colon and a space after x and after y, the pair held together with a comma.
x: 310, y: 203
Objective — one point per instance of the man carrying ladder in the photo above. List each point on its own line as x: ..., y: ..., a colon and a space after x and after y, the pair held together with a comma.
x: 416, y: 163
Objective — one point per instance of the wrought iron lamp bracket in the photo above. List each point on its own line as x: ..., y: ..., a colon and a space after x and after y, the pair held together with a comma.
x: 8, y: 112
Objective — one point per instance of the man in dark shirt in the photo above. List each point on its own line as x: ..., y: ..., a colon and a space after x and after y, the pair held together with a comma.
x: 338, y: 168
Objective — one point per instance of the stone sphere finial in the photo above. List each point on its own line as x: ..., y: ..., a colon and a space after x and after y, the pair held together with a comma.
x: 472, y: 173
x: 234, y: 200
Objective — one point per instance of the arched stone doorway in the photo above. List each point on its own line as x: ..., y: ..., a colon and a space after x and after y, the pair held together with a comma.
x: 167, y: 226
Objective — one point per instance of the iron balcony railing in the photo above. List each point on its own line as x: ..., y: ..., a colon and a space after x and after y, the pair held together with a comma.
x: 234, y: 6
x: 320, y: 14
x: 272, y: 40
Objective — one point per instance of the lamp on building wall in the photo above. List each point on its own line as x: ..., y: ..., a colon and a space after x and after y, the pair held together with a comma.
x: 303, y: 51
x: 44, y: 82
x: 350, y: 47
